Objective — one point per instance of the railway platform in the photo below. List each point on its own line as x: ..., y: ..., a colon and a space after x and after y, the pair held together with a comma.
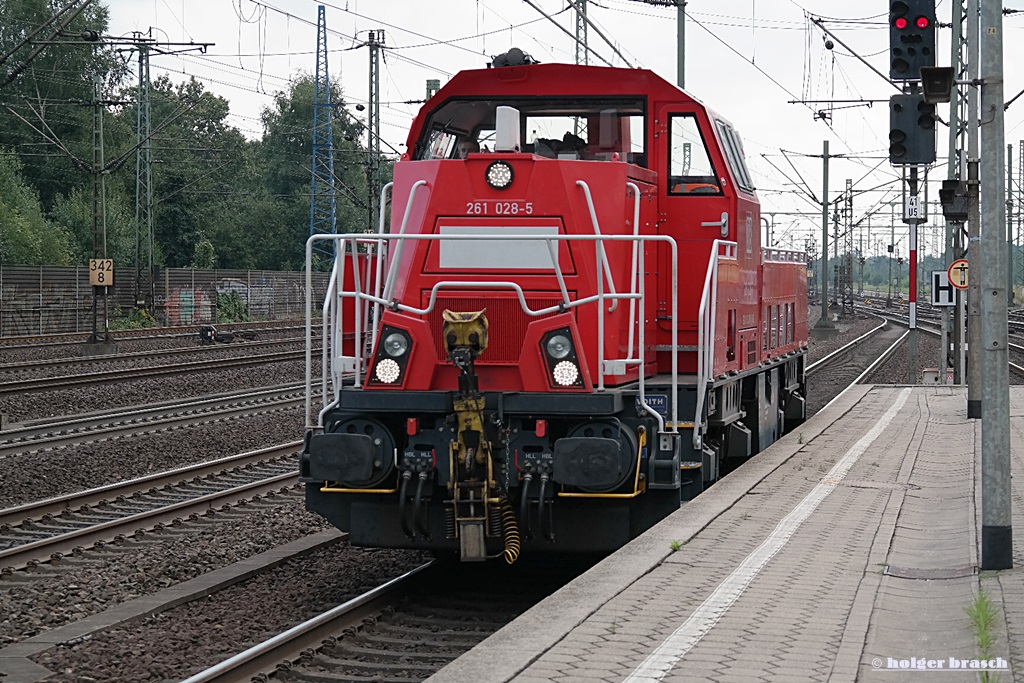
x: 848, y: 551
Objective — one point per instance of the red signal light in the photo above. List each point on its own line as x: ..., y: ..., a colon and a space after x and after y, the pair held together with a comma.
x: 900, y: 23
x: 922, y: 22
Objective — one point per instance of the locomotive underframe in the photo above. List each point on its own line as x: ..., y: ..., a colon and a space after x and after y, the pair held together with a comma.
x: 743, y: 413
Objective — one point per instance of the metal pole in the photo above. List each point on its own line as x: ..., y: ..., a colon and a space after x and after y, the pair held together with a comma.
x: 996, y: 525
x: 912, y: 287
x: 892, y: 249
x: 681, y: 43
x: 824, y: 321
x: 1009, y: 225
x: 974, y: 380
x: 836, y: 263
x: 952, y: 173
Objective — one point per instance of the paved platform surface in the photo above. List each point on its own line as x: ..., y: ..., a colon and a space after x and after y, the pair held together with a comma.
x: 846, y: 552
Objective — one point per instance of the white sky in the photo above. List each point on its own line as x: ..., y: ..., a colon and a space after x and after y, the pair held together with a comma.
x: 745, y: 58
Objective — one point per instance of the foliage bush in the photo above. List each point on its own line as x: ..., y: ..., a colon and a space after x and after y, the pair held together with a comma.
x: 231, y: 308
x: 139, y: 318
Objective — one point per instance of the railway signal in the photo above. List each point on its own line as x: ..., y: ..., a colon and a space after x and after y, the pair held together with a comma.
x: 911, y: 38
x: 911, y: 130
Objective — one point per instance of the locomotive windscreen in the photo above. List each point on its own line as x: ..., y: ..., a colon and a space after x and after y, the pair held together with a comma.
x: 554, y: 127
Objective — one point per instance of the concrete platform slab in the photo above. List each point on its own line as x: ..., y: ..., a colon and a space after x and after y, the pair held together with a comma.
x: 781, y: 575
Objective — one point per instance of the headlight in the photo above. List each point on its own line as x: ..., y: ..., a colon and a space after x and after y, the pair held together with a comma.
x: 499, y: 175
x: 396, y: 344
x: 387, y: 371
x: 559, y: 346
x: 566, y: 373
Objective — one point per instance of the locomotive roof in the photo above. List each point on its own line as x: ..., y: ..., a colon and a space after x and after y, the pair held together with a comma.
x: 539, y: 80
x: 561, y: 79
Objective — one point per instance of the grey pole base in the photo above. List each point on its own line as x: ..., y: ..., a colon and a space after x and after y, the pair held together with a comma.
x: 974, y: 410
x: 996, y: 547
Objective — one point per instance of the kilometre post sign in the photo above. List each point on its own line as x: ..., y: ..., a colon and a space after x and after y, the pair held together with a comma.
x: 101, y: 272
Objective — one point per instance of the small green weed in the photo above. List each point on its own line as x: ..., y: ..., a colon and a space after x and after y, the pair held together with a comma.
x: 983, y: 615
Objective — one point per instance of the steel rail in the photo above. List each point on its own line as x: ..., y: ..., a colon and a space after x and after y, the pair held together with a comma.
x: 55, y: 506
x: 824, y: 362
x: 90, y: 379
x: 142, y: 355
x: 74, y: 338
x: 40, y: 550
x: 85, y: 430
x: 290, y: 644
x: 877, y: 363
x: 926, y: 329
x: 41, y: 425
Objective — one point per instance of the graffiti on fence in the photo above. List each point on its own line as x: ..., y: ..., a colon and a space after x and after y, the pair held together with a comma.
x: 189, y: 306
x: 258, y: 296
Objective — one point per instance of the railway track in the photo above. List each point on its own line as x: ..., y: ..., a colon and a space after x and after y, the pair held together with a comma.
x: 37, y: 531
x: 404, y: 630
x: 91, y: 379
x: 189, y: 332
x: 850, y: 364
x: 931, y: 328
x: 37, y: 434
x: 159, y: 354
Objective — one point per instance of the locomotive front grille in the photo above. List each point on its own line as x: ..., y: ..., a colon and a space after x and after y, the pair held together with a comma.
x: 507, y: 323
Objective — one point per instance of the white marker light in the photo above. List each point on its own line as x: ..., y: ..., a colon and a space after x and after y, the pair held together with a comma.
x: 387, y: 371
x: 566, y: 373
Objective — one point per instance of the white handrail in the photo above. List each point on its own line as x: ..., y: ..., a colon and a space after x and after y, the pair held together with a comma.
x: 336, y: 294
x: 706, y: 318
x: 597, y: 231
x: 393, y: 271
x: 381, y: 255
x: 632, y: 281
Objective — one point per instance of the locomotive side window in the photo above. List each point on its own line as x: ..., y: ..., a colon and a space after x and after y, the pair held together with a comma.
x: 734, y: 155
x: 441, y: 145
x: 689, y: 165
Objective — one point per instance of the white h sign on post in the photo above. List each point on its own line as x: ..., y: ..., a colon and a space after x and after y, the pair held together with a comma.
x: 943, y: 293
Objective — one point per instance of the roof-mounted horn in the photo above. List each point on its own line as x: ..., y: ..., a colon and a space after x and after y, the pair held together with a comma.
x: 514, y: 57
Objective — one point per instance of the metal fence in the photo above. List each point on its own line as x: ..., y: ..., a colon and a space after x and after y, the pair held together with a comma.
x: 55, y: 299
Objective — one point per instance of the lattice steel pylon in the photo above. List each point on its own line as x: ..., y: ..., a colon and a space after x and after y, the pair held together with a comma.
x: 144, y: 275
x: 1019, y: 194
x: 375, y: 42
x: 811, y: 250
x: 845, y: 291
x: 322, y: 207
x: 582, y: 56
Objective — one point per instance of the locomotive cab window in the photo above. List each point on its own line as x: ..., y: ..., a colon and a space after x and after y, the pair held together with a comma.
x: 596, y: 129
x: 734, y: 155
x: 690, y: 170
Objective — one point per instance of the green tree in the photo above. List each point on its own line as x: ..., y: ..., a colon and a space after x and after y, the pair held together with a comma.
x: 287, y: 153
x: 51, y: 94
x: 198, y: 162
x: 74, y: 214
x: 26, y: 237
x: 205, y: 255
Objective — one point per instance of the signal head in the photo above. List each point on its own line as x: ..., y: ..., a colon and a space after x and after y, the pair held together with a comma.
x: 911, y: 38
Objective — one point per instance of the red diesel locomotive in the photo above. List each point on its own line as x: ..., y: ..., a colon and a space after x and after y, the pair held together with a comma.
x: 568, y: 328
